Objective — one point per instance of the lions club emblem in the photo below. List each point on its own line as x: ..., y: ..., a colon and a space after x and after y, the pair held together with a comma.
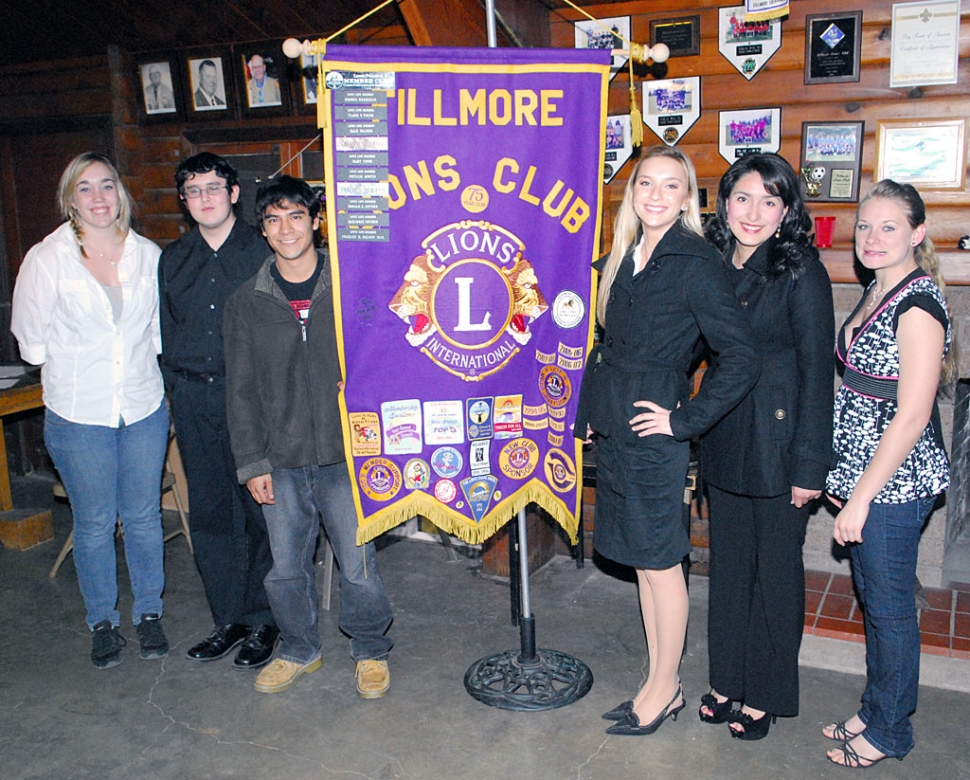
x: 470, y: 299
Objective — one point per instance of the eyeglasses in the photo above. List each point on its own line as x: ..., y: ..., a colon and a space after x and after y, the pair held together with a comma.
x: 191, y: 193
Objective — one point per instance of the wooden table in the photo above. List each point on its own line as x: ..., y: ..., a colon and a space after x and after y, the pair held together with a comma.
x: 19, y: 528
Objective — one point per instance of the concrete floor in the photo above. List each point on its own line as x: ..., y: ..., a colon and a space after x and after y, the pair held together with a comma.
x: 62, y: 718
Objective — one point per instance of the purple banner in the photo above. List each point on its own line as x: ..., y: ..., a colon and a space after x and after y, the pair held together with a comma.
x: 463, y: 205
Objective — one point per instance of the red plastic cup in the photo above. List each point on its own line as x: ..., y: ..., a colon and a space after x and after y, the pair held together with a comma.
x: 824, y: 228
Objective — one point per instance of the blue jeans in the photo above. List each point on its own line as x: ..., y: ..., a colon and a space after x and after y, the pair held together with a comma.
x: 110, y: 473
x: 302, y: 496
x: 884, y: 570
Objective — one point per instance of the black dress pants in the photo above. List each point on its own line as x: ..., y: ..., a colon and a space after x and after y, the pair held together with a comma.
x: 229, y: 535
x: 757, y: 599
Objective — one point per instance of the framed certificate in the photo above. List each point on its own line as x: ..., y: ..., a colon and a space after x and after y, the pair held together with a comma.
x: 930, y: 154
x: 926, y: 43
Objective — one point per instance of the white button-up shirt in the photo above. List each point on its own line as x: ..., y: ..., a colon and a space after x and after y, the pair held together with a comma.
x: 94, y: 371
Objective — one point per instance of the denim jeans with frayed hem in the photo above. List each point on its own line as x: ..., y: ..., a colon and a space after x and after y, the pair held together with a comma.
x: 110, y: 473
x: 884, y: 570
x: 302, y: 496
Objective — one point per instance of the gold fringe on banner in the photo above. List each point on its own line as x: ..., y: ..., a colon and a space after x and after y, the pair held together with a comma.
x: 464, y: 528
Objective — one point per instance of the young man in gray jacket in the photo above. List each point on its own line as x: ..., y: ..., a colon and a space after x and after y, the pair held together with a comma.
x: 284, y: 423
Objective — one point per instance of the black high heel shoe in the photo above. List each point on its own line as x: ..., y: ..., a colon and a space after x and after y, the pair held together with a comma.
x: 620, y: 711
x: 720, y: 710
x: 753, y: 729
x: 630, y: 725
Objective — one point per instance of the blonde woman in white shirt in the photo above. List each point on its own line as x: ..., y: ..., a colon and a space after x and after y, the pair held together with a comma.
x: 85, y: 306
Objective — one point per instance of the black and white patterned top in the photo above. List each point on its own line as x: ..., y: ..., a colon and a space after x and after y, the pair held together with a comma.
x: 863, y: 411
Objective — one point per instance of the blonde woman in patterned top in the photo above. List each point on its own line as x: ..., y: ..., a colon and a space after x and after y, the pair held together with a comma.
x: 892, y: 464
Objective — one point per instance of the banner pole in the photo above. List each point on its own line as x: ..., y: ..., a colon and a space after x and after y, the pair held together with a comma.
x: 527, y: 679
x: 490, y: 23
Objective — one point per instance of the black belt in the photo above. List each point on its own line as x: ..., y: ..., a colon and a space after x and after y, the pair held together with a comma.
x: 877, y: 387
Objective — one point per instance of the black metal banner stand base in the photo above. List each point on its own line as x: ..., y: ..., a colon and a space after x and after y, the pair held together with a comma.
x: 528, y: 679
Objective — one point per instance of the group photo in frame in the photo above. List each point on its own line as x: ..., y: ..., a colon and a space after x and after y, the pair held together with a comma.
x: 611, y: 32
x: 207, y: 83
x: 619, y: 145
x: 831, y: 161
x: 262, y: 78
x: 930, y: 154
x: 157, y: 77
x: 748, y: 131
x: 671, y: 107
x: 747, y: 45
x: 833, y: 47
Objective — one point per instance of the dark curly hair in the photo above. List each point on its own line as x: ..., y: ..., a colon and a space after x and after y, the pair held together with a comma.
x: 792, y: 248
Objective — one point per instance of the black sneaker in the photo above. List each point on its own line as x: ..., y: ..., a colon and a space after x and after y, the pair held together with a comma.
x: 152, y: 638
x: 106, y: 645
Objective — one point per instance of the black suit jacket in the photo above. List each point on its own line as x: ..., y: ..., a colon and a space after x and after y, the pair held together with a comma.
x: 780, y: 435
x: 201, y: 101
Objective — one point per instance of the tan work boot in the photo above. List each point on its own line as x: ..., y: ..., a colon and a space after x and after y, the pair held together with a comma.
x: 373, y: 679
x: 280, y: 675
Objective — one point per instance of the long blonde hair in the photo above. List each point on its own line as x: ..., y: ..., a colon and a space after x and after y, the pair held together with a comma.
x: 628, y: 223
x: 65, y: 193
x: 907, y: 196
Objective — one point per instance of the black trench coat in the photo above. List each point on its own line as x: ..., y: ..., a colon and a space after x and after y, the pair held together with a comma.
x: 654, y: 322
x: 780, y: 435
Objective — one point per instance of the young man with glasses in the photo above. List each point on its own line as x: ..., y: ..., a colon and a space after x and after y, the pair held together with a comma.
x: 196, y: 275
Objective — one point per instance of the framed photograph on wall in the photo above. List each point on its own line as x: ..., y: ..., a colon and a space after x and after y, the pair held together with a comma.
x: 747, y: 131
x: 264, y: 90
x: 161, y: 98
x: 831, y: 161
x: 308, y: 78
x: 207, y: 79
x: 833, y: 45
x: 930, y: 154
x: 610, y: 32
x: 619, y: 145
x: 671, y: 107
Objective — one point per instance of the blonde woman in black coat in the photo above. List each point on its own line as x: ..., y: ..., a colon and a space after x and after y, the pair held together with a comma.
x: 663, y: 288
x: 766, y: 462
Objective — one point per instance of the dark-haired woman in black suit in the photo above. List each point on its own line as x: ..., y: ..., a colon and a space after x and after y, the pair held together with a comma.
x: 766, y: 461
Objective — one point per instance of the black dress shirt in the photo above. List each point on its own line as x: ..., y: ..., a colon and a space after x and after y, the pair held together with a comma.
x: 194, y: 282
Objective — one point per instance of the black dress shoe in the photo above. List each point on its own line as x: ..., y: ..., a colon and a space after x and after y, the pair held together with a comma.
x: 751, y: 729
x: 219, y: 643
x: 630, y: 725
x: 257, y: 649
x: 620, y: 711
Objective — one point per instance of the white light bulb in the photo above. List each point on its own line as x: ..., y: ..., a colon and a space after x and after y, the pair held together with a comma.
x: 660, y: 52
x: 292, y: 48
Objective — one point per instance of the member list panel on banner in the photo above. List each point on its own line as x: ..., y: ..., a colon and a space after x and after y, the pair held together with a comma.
x: 464, y: 194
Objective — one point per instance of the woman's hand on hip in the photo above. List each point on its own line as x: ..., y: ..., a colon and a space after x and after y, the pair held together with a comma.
x: 656, y: 420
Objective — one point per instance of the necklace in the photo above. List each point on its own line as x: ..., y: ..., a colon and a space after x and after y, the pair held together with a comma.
x: 876, y: 296
x: 112, y: 255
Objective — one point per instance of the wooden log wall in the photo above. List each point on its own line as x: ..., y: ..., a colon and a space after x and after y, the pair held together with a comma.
x: 781, y: 83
